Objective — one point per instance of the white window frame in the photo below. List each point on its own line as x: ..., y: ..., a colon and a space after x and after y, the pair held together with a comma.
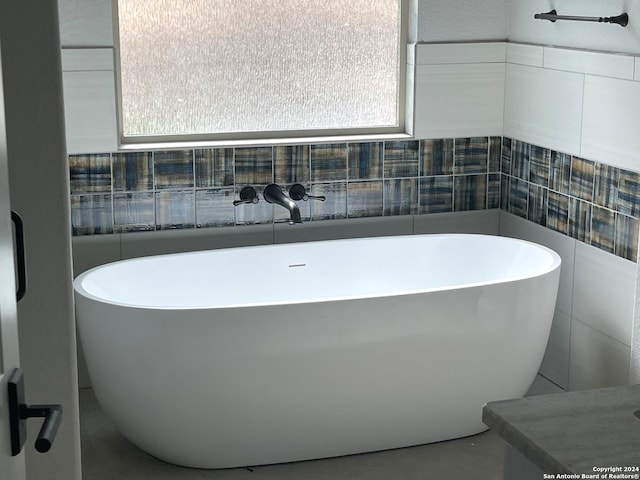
x: 402, y: 130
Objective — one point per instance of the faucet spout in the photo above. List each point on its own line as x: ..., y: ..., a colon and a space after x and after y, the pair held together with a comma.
x: 274, y: 194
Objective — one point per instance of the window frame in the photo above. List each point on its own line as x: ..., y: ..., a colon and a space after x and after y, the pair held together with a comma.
x: 275, y: 136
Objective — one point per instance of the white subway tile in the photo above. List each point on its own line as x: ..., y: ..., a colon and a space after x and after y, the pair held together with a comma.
x: 449, y: 53
x: 604, y: 292
x: 90, y: 111
x: 610, y: 126
x: 459, y: 100
x: 544, y: 107
x: 555, y: 364
x: 524, y: 54
x: 87, y: 59
x: 597, y: 360
x: 141, y: 244
x: 92, y: 250
x: 594, y: 63
x: 474, y: 221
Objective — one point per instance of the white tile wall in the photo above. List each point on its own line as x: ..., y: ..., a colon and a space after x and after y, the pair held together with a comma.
x: 595, y: 287
x: 597, y: 360
x: 444, y: 53
x: 89, y: 99
x: 611, y: 122
x: 604, y: 292
x: 459, y: 100
x: 544, y: 107
x: 594, y: 63
x: 555, y: 364
x: 475, y: 221
x: 522, y: 54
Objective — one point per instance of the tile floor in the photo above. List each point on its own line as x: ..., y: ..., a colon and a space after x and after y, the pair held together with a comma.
x: 106, y: 455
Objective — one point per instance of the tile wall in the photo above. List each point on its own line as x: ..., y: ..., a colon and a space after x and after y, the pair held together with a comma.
x: 158, y: 190
x: 589, y: 201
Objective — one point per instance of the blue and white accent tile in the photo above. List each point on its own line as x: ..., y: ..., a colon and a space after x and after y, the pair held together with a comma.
x: 401, y: 159
x: 365, y: 160
x: 364, y: 199
x: 214, y: 207
x: 582, y: 178
x: 538, y: 205
x: 214, y: 167
x: 436, y: 157
x: 518, y: 197
x: 628, y: 193
x: 520, y: 160
x: 292, y: 164
x: 133, y: 212
x: 493, y: 190
x: 173, y: 169
x: 471, y: 155
x: 539, y: 166
x: 120, y: 192
x: 560, y: 173
x: 335, y: 205
x: 132, y: 172
x: 603, y: 229
x: 606, y: 186
x: 92, y: 214
x: 90, y: 173
x: 470, y: 192
x: 495, y: 154
x: 436, y: 194
x: 506, y: 155
x: 401, y: 196
x: 558, y: 212
x: 328, y: 162
x: 175, y: 209
x: 253, y: 165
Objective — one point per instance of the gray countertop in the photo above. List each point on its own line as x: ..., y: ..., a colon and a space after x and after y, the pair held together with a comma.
x: 572, y: 432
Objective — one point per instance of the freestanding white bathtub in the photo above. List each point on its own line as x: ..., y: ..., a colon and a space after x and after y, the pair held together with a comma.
x: 271, y: 354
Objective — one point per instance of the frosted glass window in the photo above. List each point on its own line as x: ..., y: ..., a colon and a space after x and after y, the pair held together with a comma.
x: 223, y: 67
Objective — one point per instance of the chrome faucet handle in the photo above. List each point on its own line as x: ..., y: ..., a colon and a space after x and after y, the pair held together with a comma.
x: 247, y: 195
x: 298, y: 192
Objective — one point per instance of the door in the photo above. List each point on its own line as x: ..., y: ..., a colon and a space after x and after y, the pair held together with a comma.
x: 11, y: 467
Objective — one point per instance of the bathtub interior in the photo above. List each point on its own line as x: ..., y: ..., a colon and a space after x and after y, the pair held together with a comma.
x: 316, y: 271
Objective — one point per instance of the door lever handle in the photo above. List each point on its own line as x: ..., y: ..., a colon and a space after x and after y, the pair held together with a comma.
x: 19, y: 412
x: 21, y: 267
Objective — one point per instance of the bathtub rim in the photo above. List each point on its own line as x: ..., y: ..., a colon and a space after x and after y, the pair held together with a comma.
x: 80, y: 290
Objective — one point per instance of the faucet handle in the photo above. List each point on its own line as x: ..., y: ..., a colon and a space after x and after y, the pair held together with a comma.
x: 247, y: 195
x: 298, y: 192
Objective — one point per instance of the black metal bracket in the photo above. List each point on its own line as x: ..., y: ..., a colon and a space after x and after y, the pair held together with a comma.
x: 21, y: 267
x: 19, y: 412
x: 552, y: 16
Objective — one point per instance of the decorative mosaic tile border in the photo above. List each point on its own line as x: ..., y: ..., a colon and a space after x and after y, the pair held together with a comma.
x: 158, y: 190
x: 592, y: 202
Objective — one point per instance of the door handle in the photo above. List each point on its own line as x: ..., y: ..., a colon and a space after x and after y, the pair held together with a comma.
x: 19, y: 412
x: 22, y: 266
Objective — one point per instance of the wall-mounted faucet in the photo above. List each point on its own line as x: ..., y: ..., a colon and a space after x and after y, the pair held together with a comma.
x: 274, y: 194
